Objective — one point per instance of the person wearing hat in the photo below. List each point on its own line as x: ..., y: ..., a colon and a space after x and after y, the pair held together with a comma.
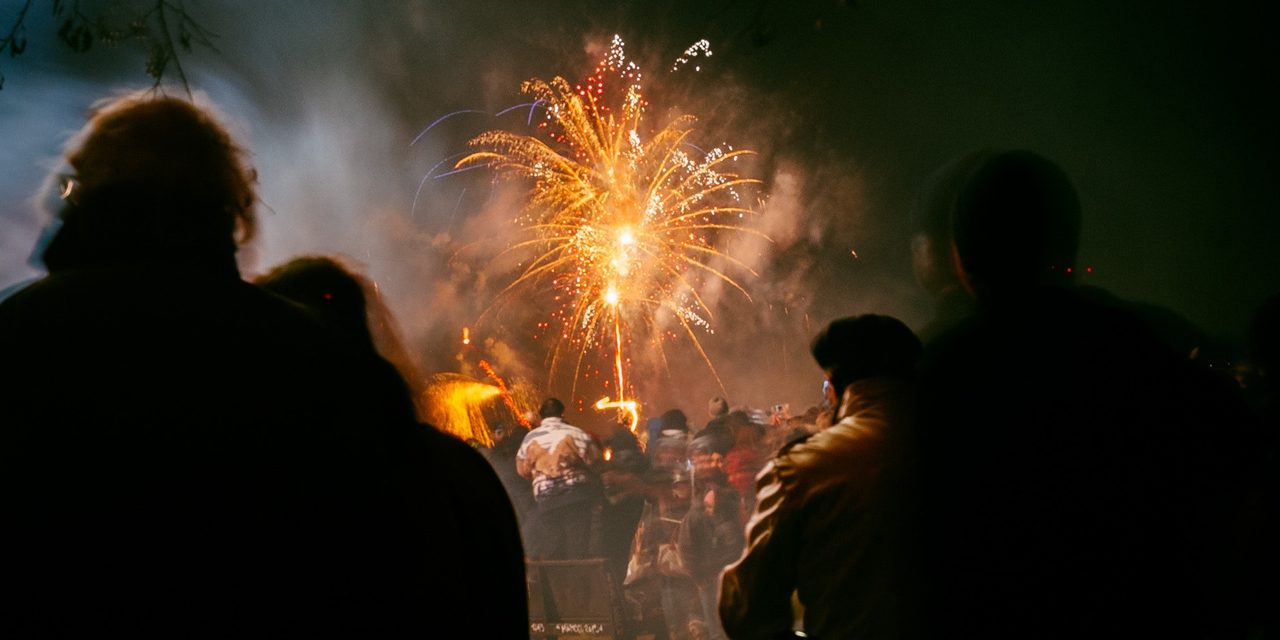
x: 825, y: 526
x: 717, y: 428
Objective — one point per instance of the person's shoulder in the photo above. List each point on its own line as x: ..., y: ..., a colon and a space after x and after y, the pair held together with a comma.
x: 838, y: 446
x: 453, y: 450
x: 792, y: 444
x: 53, y: 289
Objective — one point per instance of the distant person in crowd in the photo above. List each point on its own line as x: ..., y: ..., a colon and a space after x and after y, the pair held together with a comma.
x: 185, y: 454
x: 711, y: 534
x: 670, y: 449
x: 457, y: 489
x: 1079, y: 475
x: 746, y: 457
x: 507, y: 438
x: 717, y: 409
x: 618, y: 437
x: 830, y: 520
x: 650, y: 434
x: 563, y: 463
x: 626, y: 492
x: 657, y: 580
x: 716, y: 429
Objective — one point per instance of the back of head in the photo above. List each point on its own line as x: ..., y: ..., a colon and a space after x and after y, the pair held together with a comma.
x: 932, y: 215
x: 717, y: 407
x: 866, y: 346
x: 156, y: 178
x: 1016, y: 225
x: 739, y: 419
x: 674, y: 420
x: 334, y: 293
x: 551, y: 408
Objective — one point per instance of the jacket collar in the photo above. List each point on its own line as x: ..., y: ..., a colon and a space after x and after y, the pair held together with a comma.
x: 867, y: 393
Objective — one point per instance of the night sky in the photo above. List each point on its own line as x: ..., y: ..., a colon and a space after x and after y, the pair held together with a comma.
x: 1160, y: 112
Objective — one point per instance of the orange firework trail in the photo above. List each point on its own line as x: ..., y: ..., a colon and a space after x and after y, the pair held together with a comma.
x: 506, y: 394
x: 625, y: 220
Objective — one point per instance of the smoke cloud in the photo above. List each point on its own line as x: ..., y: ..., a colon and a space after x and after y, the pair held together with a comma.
x: 845, y: 118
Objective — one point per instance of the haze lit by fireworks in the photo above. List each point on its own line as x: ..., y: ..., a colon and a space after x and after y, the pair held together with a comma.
x: 624, y: 217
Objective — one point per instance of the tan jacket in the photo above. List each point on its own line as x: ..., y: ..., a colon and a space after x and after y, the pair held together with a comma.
x: 827, y: 527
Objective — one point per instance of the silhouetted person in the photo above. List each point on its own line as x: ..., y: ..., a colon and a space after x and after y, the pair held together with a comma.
x: 745, y: 458
x: 720, y: 438
x: 931, y: 255
x: 458, y: 494
x: 507, y: 439
x: 1079, y: 476
x: 1263, y: 389
x: 828, y: 524
x: 1264, y: 358
x: 625, y: 494
x: 623, y: 475
x: 185, y: 454
x: 711, y: 534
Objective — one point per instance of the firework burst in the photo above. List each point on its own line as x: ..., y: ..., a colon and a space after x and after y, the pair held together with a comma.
x: 625, y: 219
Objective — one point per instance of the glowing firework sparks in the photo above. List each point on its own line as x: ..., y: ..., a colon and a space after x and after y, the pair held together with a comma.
x: 628, y: 407
x: 456, y: 405
x: 625, y: 219
x: 506, y: 394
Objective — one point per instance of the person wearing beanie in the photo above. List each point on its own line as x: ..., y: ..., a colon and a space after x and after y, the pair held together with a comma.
x: 720, y: 439
x: 826, y: 525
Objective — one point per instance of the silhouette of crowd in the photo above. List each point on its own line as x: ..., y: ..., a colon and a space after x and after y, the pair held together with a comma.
x: 187, y: 453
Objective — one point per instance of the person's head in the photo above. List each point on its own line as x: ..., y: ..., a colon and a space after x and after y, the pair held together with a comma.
x: 629, y: 461
x: 866, y: 346
x: 1016, y: 225
x: 349, y: 305
x: 551, y: 408
x: 932, y: 214
x: 717, y: 407
x: 333, y: 292
x: 745, y: 430
x: 501, y: 431
x: 706, y: 457
x: 674, y: 420
x: 154, y: 178
x: 669, y: 452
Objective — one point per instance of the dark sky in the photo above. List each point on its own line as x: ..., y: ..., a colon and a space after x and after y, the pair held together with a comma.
x: 1159, y: 111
